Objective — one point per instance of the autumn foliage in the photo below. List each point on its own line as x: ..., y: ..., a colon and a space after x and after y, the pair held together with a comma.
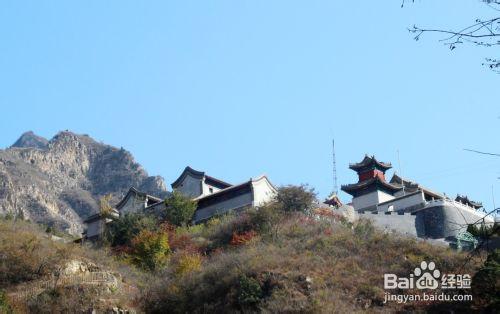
x: 187, y: 263
x: 242, y: 238
x: 150, y: 249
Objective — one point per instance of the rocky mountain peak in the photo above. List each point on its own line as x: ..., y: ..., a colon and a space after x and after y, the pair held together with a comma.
x: 31, y: 140
x: 59, y: 182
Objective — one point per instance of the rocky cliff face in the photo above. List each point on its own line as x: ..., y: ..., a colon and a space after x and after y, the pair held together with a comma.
x: 59, y: 182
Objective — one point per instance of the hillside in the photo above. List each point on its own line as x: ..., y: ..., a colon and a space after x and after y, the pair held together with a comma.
x: 59, y: 181
x: 255, y: 262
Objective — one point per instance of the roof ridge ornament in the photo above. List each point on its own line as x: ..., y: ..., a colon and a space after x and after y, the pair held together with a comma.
x: 370, y: 162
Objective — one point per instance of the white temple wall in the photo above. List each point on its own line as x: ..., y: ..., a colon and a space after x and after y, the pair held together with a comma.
x: 206, y: 188
x: 370, y: 199
x: 404, y: 224
x: 402, y: 203
x: 445, y: 218
x: 263, y: 191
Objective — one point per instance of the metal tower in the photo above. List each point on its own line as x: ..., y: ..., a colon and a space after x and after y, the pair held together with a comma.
x: 335, y: 186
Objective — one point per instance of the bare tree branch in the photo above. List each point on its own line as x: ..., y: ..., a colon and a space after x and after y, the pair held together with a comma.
x: 483, y: 153
x: 482, y: 33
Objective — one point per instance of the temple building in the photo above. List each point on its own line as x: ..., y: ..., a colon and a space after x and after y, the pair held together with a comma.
x: 136, y: 201
x: 407, y: 207
x: 96, y: 223
x: 217, y: 197
x: 197, y: 184
x: 371, y: 188
x: 214, y: 197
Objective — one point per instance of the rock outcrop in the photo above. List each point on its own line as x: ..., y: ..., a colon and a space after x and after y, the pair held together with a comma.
x: 59, y: 182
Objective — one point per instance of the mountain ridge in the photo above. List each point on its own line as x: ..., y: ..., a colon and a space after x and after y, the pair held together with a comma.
x: 30, y: 140
x: 58, y: 182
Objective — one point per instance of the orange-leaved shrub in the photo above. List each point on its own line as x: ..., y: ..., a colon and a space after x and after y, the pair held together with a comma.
x: 179, y: 241
x: 242, y: 238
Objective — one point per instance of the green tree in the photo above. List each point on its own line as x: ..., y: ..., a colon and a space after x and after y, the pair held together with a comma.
x: 150, y: 249
x: 250, y: 291
x: 4, y: 304
x: 484, y: 231
x: 179, y: 209
x: 121, y: 231
x: 266, y: 219
x: 295, y: 198
x: 486, y: 282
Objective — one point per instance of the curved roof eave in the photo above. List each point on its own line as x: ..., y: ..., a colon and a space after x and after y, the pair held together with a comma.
x: 376, y: 180
x: 264, y: 177
x: 120, y: 204
x: 187, y: 170
x: 131, y: 191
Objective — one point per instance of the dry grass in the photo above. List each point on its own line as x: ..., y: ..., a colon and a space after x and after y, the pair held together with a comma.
x: 307, y: 266
x: 294, y: 264
x: 29, y: 256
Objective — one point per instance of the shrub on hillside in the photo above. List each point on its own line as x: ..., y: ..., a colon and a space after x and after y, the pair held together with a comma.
x: 29, y: 257
x: 122, y: 230
x: 266, y: 218
x: 4, y: 304
x: 212, y: 289
x: 220, y: 230
x: 27, y: 254
x: 250, y: 292
x: 486, y: 282
x: 242, y: 238
x: 75, y: 299
x: 264, y: 221
x: 150, y: 249
x: 364, y: 229
x: 180, y: 240
x: 484, y: 231
x: 316, y: 266
x: 296, y: 198
x: 179, y: 209
x: 186, y: 263
x: 105, y: 208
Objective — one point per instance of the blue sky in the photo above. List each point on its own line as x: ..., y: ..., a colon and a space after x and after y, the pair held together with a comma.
x: 240, y: 88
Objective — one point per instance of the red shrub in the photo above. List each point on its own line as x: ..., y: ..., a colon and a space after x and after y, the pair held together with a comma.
x: 179, y: 242
x: 183, y: 242
x: 242, y: 238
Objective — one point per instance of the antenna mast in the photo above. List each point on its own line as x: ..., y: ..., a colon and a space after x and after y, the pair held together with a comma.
x: 335, y: 186
x: 401, y: 174
x: 493, y: 196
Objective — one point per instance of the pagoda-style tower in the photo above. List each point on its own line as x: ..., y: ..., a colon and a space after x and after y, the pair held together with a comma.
x: 372, y: 188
